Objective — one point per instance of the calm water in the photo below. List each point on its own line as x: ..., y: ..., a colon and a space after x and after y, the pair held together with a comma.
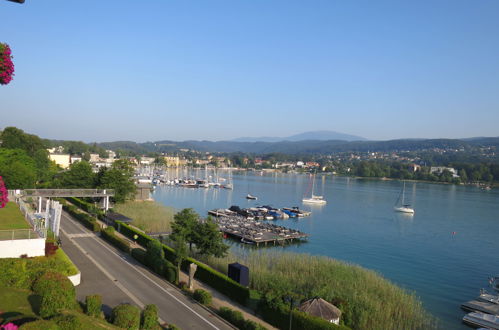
x: 444, y: 253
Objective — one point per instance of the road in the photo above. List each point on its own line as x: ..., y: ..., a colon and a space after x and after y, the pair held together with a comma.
x: 118, y: 278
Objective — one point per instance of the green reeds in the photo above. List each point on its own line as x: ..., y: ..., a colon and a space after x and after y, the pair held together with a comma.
x: 148, y: 216
x: 367, y: 300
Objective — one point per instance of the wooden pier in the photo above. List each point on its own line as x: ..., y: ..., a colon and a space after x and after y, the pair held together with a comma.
x: 481, y: 306
x: 257, y: 232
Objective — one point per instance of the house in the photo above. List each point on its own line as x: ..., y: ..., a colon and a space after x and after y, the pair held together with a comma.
x: 63, y: 160
x: 172, y: 161
x: 414, y: 168
x: 439, y: 170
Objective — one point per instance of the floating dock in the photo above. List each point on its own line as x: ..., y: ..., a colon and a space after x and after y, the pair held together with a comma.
x: 481, y: 306
x: 257, y: 232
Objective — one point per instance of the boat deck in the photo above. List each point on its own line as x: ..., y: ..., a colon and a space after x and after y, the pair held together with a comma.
x: 257, y: 232
x: 481, y: 306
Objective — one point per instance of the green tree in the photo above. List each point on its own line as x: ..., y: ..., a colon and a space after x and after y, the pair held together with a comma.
x: 17, y: 169
x: 186, y: 221
x: 15, y: 138
x: 79, y: 175
x: 120, y: 178
x: 209, y: 240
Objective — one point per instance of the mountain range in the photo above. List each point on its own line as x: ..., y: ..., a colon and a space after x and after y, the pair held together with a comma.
x: 312, y: 135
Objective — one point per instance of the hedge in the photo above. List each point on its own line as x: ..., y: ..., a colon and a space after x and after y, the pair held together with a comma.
x: 39, y: 325
x: 93, y: 305
x: 57, y: 293
x: 84, y: 218
x: 126, y: 316
x: 120, y: 243
x: 86, y: 206
x: 150, y: 317
x: 202, y: 296
x: 69, y: 322
x: 236, y: 318
x: 204, y: 273
x: 167, y: 269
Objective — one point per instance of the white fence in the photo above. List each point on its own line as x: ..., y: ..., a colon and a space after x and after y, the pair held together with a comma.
x: 37, y: 224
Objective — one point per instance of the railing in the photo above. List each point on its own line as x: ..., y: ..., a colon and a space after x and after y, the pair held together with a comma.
x: 37, y: 224
x: 18, y: 234
x: 67, y: 192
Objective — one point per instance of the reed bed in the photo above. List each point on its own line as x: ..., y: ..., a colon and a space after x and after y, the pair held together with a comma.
x: 367, y: 300
x: 149, y: 216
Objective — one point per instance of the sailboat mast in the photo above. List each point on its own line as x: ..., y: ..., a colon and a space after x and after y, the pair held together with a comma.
x: 403, y: 195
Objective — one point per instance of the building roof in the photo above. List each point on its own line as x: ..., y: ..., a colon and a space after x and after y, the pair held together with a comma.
x: 320, y: 308
x: 118, y: 217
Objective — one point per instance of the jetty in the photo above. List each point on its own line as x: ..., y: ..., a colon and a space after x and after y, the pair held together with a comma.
x: 257, y: 232
x: 481, y: 306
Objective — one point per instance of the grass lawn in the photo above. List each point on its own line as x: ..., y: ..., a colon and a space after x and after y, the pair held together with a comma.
x: 16, y: 302
x: 12, y: 218
x: 148, y: 216
x: 66, y: 265
x: 20, y: 303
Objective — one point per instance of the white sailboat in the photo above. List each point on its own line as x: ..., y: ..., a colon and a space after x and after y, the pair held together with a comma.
x: 403, y: 207
x: 314, y: 199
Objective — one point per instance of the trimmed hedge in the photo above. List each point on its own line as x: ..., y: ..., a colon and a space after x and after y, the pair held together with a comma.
x: 236, y: 318
x: 120, y: 243
x: 84, y: 218
x: 93, y: 305
x: 166, y: 268
x: 57, y: 293
x: 150, y: 317
x: 202, y: 296
x: 86, y: 206
x: 204, y: 273
x: 130, y: 232
x: 126, y: 316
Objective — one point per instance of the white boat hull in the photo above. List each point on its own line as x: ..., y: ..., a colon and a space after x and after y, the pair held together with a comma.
x: 314, y: 201
x: 404, y: 210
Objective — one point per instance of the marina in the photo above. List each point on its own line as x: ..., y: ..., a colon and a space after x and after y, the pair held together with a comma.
x: 256, y: 232
x: 481, y: 306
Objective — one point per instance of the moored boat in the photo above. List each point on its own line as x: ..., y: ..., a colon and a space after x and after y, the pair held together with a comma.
x: 478, y: 319
x: 249, y: 196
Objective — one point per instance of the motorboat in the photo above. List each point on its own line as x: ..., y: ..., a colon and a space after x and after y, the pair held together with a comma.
x: 479, y: 319
x: 249, y: 196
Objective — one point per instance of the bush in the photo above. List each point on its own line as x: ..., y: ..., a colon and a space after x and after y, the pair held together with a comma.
x: 84, y: 219
x: 130, y: 232
x: 236, y: 318
x: 108, y: 235
x: 57, y: 292
x: 150, y: 317
x: 126, y: 316
x: 68, y: 322
x: 93, y: 305
x: 39, y: 325
x: 166, y: 268
x: 86, y: 206
x: 202, y: 296
x: 139, y: 255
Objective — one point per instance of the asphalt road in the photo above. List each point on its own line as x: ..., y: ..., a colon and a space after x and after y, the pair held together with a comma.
x: 120, y: 279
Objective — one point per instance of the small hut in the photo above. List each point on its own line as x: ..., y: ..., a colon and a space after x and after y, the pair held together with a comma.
x: 321, y: 308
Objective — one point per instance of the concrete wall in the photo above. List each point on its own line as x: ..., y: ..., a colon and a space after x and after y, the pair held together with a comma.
x: 15, y: 248
x: 75, y: 279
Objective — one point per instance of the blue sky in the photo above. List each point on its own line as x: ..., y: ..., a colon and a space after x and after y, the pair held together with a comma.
x: 152, y: 70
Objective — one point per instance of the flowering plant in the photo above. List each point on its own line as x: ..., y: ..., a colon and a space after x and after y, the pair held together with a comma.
x: 4, y: 194
x: 6, y: 64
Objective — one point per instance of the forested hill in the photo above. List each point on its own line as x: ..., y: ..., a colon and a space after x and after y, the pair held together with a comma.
x: 304, y: 147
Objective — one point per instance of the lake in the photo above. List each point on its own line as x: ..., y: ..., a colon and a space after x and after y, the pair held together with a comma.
x: 444, y: 253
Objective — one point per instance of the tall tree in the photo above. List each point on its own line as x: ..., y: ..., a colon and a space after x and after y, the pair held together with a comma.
x: 120, y: 178
x: 17, y: 169
x: 209, y: 239
x: 79, y: 175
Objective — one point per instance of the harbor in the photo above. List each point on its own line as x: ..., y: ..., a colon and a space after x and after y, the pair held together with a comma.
x: 257, y: 232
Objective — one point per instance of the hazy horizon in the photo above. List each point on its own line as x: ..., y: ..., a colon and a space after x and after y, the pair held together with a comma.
x: 177, y: 70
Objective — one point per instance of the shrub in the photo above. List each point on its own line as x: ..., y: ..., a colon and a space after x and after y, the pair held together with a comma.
x: 39, y: 325
x: 68, y: 322
x: 126, y: 316
x: 93, y: 305
x: 83, y: 218
x: 139, y: 255
x: 150, y: 317
x: 170, y: 272
x: 237, y: 319
x: 172, y: 327
x: 202, y: 296
x: 108, y: 235
x: 130, y: 232
x: 57, y: 292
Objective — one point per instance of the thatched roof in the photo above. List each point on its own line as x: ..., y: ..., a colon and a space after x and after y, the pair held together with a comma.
x: 320, y: 308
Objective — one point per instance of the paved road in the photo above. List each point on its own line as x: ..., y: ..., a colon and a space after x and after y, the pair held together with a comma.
x: 119, y: 278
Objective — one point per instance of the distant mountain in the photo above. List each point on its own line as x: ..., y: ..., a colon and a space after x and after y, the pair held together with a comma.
x: 306, y: 136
